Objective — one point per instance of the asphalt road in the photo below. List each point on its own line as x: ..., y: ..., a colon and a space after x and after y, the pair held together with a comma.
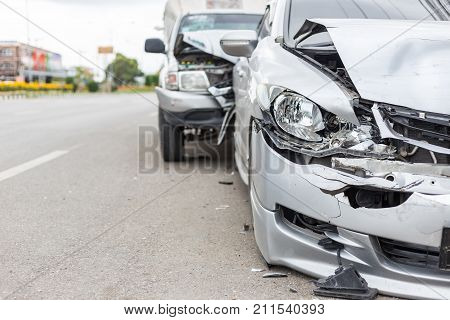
x: 79, y: 220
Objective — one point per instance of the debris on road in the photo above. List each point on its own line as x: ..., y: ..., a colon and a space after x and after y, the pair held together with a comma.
x: 346, y: 283
x: 228, y: 183
x: 257, y: 270
x: 245, y: 229
x: 293, y: 290
x: 223, y: 207
x: 275, y: 275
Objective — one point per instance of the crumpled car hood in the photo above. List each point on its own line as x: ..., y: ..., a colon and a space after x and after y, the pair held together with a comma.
x: 209, y: 42
x: 405, y: 63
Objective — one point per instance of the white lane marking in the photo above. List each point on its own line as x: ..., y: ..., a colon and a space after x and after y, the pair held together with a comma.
x: 27, y: 113
x: 31, y: 164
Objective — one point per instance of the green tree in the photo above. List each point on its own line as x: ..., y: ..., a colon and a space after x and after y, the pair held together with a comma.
x: 92, y: 86
x: 123, y: 70
x: 71, y: 80
x: 83, y: 75
x: 151, y: 80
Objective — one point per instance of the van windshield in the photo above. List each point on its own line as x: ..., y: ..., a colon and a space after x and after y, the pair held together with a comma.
x: 201, y: 22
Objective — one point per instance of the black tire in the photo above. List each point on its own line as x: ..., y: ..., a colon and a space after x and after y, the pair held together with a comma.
x: 172, y: 140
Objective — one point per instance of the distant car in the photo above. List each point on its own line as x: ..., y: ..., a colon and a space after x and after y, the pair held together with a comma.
x: 195, y: 93
x: 343, y: 134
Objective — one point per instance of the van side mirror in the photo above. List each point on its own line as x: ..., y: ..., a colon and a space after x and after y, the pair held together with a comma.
x: 239, y: 43
x: 155, y: 45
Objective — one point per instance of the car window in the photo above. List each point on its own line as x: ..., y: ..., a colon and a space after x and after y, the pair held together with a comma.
x: 300, y: 10
x: 201, y: 22
x: 264, y: 27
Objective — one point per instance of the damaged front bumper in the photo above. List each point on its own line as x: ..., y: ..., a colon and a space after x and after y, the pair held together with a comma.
x: 190, y: 109
x: 396, y: 247
x: 199, y: 111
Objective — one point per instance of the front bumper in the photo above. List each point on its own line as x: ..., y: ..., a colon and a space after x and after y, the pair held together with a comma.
x: 420, y: 220
x: 190, y: 109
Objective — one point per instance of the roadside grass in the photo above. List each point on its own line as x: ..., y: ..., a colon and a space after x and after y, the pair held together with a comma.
x: 135, y: 89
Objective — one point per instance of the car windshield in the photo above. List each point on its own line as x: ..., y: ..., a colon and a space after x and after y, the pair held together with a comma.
x: 300, y: 10
x: 200, y: 22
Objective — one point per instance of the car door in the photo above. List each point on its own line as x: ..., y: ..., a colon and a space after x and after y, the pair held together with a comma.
x: 241, y: 83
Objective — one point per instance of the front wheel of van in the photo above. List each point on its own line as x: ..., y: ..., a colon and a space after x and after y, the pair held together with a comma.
x: 172, y: 140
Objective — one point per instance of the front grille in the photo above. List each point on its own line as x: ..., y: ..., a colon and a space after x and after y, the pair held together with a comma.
x: 423, y: 126
x: 304, y: 222
x: 410, y: 254
x: 420, y: 126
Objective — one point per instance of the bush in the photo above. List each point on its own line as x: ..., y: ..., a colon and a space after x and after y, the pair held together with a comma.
x: 92, y: 86
x: 8, y: 86
x: 151, y: 80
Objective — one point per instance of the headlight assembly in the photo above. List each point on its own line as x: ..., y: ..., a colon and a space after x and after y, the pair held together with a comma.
x: 193, y: 81
x: 298, y: 116
x: 172, y: 81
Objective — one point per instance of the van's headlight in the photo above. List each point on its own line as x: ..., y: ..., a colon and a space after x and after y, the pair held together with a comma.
x: 193, y: 81
x: 298, y: 116
x: 172, y: 81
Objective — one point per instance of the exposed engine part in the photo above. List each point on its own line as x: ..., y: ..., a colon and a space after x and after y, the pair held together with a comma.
x: 430, y: 128
x: 190, y: 58
x: 427, y: 131
x: 219, y: 73
x: 350, y: 138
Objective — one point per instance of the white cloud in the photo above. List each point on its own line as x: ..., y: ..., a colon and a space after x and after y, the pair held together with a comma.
x: 86, y: 24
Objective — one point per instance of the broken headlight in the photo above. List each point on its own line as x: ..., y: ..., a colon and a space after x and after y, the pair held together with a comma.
x: 193, y: 81
x: 298, y: 116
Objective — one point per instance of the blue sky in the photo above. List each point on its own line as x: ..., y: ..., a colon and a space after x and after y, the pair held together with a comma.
x: 84, y: 25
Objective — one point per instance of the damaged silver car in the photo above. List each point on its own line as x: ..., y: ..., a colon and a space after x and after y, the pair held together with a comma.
x: 342, y: 131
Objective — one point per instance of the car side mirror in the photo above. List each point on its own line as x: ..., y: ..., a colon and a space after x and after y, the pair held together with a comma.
x: 155, y: 46
x: 239, y: 43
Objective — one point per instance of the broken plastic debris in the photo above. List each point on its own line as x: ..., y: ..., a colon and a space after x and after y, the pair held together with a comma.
x: 275, y: 275
x: 346, y: 283
x: 223, y: 207
x: 227, y: 183
x: 293, y: 290
x: 257, y: 270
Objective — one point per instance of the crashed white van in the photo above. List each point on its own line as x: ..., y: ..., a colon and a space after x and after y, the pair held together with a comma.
x: 343, y: 118
x: 195, y: 94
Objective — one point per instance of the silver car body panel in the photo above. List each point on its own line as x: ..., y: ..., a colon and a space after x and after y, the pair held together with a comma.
x: 404, y: 63
x: 273, y: 65
x: 179, y: 101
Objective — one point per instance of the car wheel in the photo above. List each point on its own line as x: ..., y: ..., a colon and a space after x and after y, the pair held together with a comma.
x: 172, y: 140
